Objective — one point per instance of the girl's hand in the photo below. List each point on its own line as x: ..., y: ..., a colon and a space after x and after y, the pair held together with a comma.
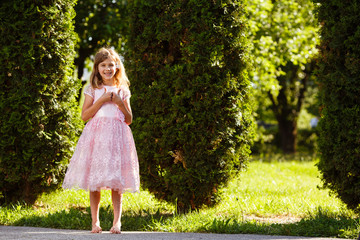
x: 124, y: 106
x: 117, y: 100
x: 106, y: 97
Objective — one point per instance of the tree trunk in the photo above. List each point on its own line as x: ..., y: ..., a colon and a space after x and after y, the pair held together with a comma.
x: 286, y: 117
x: 287, y: 111
x: 288, y: 133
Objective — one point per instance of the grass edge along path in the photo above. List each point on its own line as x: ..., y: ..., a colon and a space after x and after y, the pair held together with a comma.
x: 274, y: 198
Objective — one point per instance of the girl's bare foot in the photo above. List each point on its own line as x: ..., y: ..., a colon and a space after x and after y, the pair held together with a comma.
x: 116, y: 229
x: 96, y: 229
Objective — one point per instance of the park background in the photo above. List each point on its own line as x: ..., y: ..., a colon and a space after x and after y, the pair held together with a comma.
x: 226, y: 99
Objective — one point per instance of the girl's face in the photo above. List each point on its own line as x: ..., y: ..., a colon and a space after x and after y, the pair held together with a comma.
x: 107, y: 69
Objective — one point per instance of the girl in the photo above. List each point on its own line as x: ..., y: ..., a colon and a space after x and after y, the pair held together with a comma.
x: 105, y: 156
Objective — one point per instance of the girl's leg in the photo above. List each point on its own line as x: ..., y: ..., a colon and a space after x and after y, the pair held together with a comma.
x: 116, y: 197
x: 94, y: 206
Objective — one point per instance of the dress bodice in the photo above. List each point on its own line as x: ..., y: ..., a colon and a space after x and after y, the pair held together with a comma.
x: 108, y: 109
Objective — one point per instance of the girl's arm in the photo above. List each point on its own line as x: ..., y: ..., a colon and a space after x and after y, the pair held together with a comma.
x: 90, y: 108
x: 124, y: 106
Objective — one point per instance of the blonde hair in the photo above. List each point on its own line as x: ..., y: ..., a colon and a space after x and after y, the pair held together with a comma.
x: 120, y: 77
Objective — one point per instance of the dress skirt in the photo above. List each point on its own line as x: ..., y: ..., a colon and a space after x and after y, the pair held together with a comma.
x: 105, y: 158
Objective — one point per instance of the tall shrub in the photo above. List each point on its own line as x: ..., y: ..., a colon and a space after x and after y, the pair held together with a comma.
x: 339, y: 78
x: 187, y: 66
x: 38, y: 120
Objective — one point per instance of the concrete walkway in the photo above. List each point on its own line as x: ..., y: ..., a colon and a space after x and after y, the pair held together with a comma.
x: 10, y: 233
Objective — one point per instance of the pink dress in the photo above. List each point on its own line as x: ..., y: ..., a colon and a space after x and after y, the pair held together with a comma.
x: 105, y: 156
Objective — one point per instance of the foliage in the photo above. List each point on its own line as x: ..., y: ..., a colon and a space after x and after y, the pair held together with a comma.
x: 99, y: 23
x: 190, y: 96
x: 284, y: 38
x: 38, y: 122
x: 339, y: 78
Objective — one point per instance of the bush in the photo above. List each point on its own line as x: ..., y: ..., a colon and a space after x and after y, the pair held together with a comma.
x: 190, y: 96
x: 39, y: 117
x: 339, y: 78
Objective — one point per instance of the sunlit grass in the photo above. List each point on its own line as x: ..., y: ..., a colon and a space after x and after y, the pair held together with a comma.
x: 279, y: 188
x: 273, y: 197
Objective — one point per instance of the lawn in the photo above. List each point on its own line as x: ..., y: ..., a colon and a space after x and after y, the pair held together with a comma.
x: 272, y: 197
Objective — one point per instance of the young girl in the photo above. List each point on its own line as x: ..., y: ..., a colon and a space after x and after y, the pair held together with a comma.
x: 105, y: 156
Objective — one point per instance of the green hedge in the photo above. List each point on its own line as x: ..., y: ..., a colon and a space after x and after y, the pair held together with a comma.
x: 187, y: 67
x: 39, y: 116
x: 339, y: 79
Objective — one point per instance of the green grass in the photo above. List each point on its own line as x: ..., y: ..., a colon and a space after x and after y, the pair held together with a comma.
x: 276, y: 197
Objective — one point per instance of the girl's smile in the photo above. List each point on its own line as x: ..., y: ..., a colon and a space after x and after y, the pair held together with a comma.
x: 107, y: 69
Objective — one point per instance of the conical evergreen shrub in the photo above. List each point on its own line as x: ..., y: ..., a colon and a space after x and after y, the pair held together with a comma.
x: 39, y: 119
x: 339, y: 85
x: 187, y: 65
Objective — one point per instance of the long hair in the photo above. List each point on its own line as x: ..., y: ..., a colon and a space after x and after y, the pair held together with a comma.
x: 120, y: 77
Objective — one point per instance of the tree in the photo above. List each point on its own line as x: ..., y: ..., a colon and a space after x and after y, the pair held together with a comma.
x: 187, y: 68
x: 39, y: 118
x: 98, y: 23
x: 339, y: 80
x: 284, y: 37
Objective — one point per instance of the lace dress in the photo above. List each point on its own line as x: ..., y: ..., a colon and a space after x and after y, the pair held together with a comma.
x: 105, y: 156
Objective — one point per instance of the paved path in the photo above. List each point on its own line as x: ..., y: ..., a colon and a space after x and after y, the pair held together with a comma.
x: 10, y: 233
